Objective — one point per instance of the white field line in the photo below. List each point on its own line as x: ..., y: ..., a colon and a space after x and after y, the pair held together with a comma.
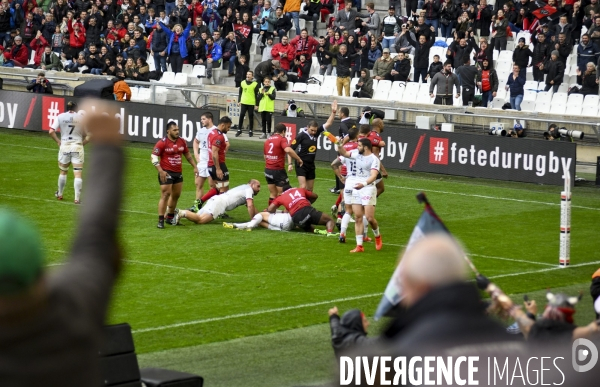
x: 330, y: 302
x: 179, y: 267
x: 387, y: 186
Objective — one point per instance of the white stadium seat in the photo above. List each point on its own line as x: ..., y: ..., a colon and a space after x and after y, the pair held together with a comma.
x: 528, y: 106
x: 313, y: 88
x: 299, y: 87
x: 168, y: 78
x: 575, y: 104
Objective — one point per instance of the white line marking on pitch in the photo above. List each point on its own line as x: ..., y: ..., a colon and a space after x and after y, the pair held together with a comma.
x: 331, y: 302
x: 179, y: 267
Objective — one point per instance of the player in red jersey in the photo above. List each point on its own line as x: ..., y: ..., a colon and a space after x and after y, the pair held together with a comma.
x: 166, y: 157
x: 275, y: 149
x: 298, y: 202
x: 217, y: 146
x: 375, y: 137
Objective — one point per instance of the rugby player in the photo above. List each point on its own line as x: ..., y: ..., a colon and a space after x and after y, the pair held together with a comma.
x: 217, y: 205
x: 166, y: 157
x: 217, y: 169
x: 375, y: 136
x: 70, y: 148
x: 201, y: 154
x: 275, y: 149
x: 281, y: 221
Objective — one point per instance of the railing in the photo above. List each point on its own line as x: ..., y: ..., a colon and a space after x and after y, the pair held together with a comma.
x: 33, y: 74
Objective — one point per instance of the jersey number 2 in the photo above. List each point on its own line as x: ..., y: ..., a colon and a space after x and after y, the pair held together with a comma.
x: 270, y: 148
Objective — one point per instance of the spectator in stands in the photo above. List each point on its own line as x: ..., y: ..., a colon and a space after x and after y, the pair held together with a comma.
x: 373, y: 22
x: 587, y: 80
x: 348, y: 332
x: 28, y: 28
x: 343, y: 68
x: 292, y: 11
x: 487, y: 81
x: 421, y: 56
x: 432, y: 12
x: 267, y: 20
x: 214, y: 54
x: 266, y: 106
x: 17, y: 56
x: 362, y: 60
x: 197, y: 53
x: 50, y: 61
x: 563, y: 27
x: 383, y: 66
x: 76, y: 38
x: 346, y: 19
x: 131, y: 51
x: 422, y: 28
x: 515, y: 84
x: 541, y: 54
x: 266, y: 69
x: 284, y: 53
x: 401, y: 69
x: 40, y: 85
x: 402, y: 44
x: 300, y: 71
x: 313, y: 11
x: 241, y: 68
x: 587, y: 52
x: 435, y: 67
x: 160, y: 42
x: 93, y: 60
x: 483, y: 18
x: 555, y: 70
x: 373, y: 54
x: 521, y: 56
x: 142, y: 71
x: 37, y: 46
x: 56, y: 40
x: 327, y: 8
x: 499, y: 31
x: 247, y: 97
x: 564, y: 48
x: 130, y: 68
x: 325, y: 66
x: 283, y: 23
x: 121, y: 90
x: 93, y: 30
x: 364, y: 86
x: 266, y: 54
x: 461, y: 49
x: 176, y: 48
x: 447, y: 13
x: 445, y: 81
x: 467, y: 75
x: 594, y: 30
x: 304, y: 44
x: 390, y: 28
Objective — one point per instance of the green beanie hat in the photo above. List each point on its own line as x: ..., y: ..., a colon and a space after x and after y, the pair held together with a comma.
x: 21, y: 258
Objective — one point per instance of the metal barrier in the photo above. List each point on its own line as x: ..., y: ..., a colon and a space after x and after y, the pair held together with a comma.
x: 33, y: 74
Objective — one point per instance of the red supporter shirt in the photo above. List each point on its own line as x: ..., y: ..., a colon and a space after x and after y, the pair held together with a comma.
x: 216, y: 138
x: 170, y: 153
x: 274, y: 151
x: 349, y: 146
x: 294, y: 200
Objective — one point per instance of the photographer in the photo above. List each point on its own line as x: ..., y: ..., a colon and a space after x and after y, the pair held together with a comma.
x: 368, y: 115
x: 561, y: 134
x: 292, y: 110
x: 517, y: 131
x: 40, y: 85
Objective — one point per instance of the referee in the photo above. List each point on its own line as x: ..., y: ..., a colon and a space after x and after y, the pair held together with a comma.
x: 305, y: 145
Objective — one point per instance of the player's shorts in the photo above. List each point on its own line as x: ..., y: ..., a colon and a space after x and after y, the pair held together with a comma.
x: 214, y: 206
x: 366, y: 196
x: 213, y: 172
x: 348, y: 191
x: 203, y: 169
x: 308, y: 171
x: 307, y: 216
x: 70, y: 153
x: 281, y: 222
x: 278, y: 177
x: 172, y: 178
x: 379, y: 178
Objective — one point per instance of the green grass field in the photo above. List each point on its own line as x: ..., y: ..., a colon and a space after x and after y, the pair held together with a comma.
x: 251, y: 307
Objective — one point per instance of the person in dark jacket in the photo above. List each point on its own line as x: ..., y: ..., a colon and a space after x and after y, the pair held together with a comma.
x: 555, y: 70
x: 587, y: 52
x: 421, y: 56
x: 40, y: 85
x: 467, y: 74
x: 93, y: 29
x: 324, y: 60
x: 541, y: 54
x: 515, y: 84
x: 484, y: 51
x: 343, y: 67
x: 521, y: 56
x: 460, y: 49
x: 435, y: 67
x: 348, y: 332
x: 487, y: 81
x: 160, y: 41
x: 564, y: 48
x: 300, y: 70
x: 241, y: 68
x: 401, y: 69
x: 364, y: 87
x: 266, y: 69
x: 587, y: 80
x: 483, y: 18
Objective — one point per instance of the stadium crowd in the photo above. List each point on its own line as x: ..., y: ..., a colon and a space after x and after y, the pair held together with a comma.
x: 117, y: 38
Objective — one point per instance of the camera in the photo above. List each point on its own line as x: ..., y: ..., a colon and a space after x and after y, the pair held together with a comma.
x: 367, y: 115
x: 501, y: 132
x: 563, y: 132
x: 292, y: 104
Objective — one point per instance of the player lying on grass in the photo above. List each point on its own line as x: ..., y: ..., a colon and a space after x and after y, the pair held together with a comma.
x: 277, y: 222
x: 217, y: 205
x: 297, y: 201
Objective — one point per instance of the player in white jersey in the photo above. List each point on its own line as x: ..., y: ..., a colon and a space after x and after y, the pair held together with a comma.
x: 72, y: 139
x: 277, y: 222
x: 227, y: 201
x: 363, y: 168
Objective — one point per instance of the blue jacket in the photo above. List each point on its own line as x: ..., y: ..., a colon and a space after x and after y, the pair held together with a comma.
x: 586, y: 54
x: 516, y: 85
x: 182, y: 39
x: 374, y: 55
x: 216, y: 52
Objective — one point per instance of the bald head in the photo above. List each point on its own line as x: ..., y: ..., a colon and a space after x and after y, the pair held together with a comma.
x: 377, y: 124
x: 433, y: 261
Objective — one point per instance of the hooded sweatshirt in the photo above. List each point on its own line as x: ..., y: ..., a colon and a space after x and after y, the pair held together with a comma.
x: 366, y: 88
x: 347, y: 332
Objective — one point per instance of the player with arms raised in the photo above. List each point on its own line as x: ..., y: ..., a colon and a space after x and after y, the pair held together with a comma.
x: 166, y: 157
x: 72, y: 139
x: 201, y: 153
x: 363, y: 168
x: 217, y: 205
x: 275, y: 149
x: 298, y: 202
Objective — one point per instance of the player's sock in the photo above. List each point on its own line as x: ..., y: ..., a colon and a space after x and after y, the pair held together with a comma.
x: 161, y: 217
x: 271, y: 200
x: 212, y: 192
x: 359, y: 240
x: 339, y: 200
x: 365, y: 226
x: 255, y: 221
x: 62, y: 182
x: 77, y: 183
x: 345, y: 223
x: 376, y: 232
x: 170, y: 216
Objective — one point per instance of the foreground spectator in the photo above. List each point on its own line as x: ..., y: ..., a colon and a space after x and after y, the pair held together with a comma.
x: 52, y: 324
x: 40, y: 85
x: 121, y: 90
x: 348, y: 332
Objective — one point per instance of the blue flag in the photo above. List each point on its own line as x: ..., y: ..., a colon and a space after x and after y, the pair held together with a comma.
x: 428, y: 223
